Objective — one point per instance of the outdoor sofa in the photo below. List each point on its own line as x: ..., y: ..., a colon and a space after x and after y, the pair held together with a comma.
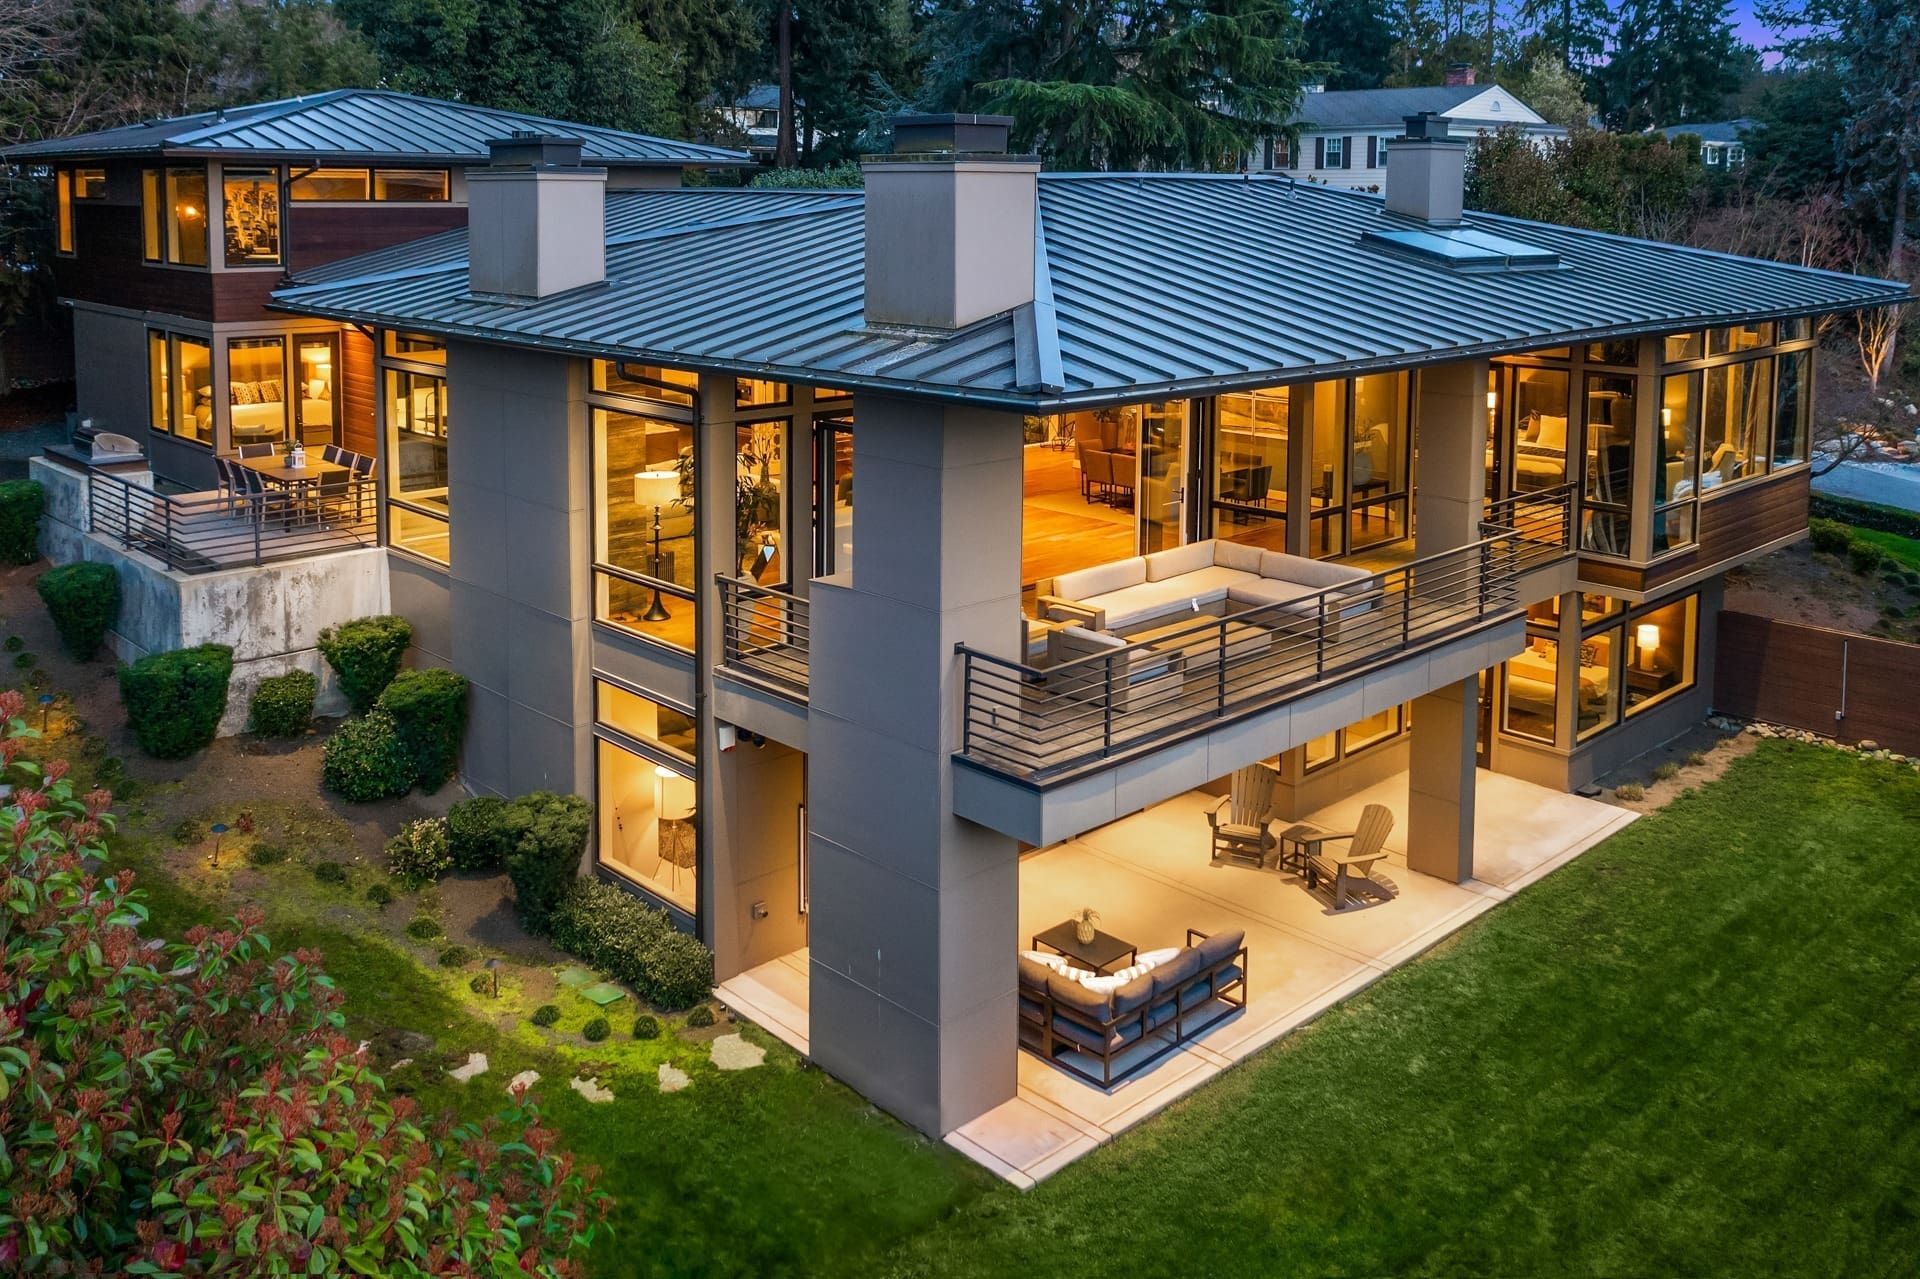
x: 1213, y: 576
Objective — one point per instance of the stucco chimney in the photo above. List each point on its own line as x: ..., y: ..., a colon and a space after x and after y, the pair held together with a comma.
x: 536, y: 219
x: 950, y: 223
x: 1427, y: 171
x: 1459, y: 73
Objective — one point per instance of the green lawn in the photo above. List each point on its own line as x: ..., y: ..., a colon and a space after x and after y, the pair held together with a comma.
x: 1690, y: 1052
x: 1904, y: 551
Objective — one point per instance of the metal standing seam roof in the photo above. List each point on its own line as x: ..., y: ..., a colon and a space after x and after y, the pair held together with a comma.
x: 363, y: 124
x: 1146, y: 286
x: 1376, y: 108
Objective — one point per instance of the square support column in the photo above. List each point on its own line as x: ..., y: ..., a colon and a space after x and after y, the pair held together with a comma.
x: 1440, y: 781
x: 1451, y: 413
x: 914, y: 914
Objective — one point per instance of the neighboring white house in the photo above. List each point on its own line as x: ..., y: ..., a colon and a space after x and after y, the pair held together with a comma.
x: 1723, y: 143
x: 756, y: 113
x: 1344, y: 136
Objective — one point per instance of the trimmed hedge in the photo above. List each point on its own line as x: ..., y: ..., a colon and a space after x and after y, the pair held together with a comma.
x: 283, y: 704
x: 21, y: 505
x: 365, y: 653
x: 364, y: 760
x: 609, y: 929
x: 175, y: 700
x: 84, y: 600
x: 429, y: 709
x: 545, y: 861
x: 482, y: 832
x: 1830, y: 536
x: 1882, y: 519
x: 678, y: 971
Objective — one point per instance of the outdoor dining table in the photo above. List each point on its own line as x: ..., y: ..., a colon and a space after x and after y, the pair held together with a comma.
x: 293, y: 480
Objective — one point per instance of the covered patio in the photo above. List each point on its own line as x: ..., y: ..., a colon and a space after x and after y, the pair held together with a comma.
x: 1151, y: 878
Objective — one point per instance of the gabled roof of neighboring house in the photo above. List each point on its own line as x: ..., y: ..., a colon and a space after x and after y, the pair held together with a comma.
x: 1146, y: 285
x: 367, y: 125
x: 1717, y: 131
x: 1370, y: 109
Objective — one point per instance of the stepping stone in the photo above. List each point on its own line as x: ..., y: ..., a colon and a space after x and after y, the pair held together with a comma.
x: 476, y: 1065
x: 604, y: 993
x: 402, y: 1064
x: 590, y: 1089
x: 672, y: 1080
x: 577, y: 977
x: 523, y: 1081
x: 732, y: 1052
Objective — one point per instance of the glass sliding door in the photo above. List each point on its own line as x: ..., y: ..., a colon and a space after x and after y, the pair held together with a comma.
x: 257, y: 390
x: 314, y: 360
x: 1162, y: 483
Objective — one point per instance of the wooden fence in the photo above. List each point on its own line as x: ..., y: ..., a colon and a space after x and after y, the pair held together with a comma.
x: 1837, y: 683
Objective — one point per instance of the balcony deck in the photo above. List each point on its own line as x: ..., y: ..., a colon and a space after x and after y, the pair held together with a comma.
x: 208, y: 532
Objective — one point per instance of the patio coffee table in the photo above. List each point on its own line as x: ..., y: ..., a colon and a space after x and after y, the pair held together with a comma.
x: 1103, y: 952
x: 1202, y: 648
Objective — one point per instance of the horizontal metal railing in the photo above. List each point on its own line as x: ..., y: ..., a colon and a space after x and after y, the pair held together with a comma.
x: 1542, y: 520
x: 763, y: 633
x: 207, y: 532
x: 1038, y: 724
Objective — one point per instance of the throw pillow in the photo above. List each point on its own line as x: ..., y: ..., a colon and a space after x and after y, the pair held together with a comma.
x: 1104, y: 985
x: 270, y: 392
x: 244, y: 392
x: 1149, y: 958
x: 1056, y: 962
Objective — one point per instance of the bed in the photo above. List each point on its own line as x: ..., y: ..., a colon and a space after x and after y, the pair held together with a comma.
x: 1540, y: 452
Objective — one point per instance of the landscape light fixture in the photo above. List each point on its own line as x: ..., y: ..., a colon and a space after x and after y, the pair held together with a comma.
x: 217, y: 830
x: 656, y: 489
x: 493, y: 970
x: 46, y: 709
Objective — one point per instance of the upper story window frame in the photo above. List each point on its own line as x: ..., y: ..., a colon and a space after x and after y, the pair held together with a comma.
x: 362, y: 184
x: 169, y: 209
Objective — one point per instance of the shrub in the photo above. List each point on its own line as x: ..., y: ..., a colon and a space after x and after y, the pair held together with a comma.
x: 365, y: 654
x: 84, y: 600
x: 175, y: 700
x: 265, y: 854
x: 1630, y: 791
x: 608, y: 928
x: 1830, y: 536
x: 1696, y: 759
x: 364, y: 760
x: 700, y: 1018
x: 24, y: 660
x: 481, y: 983
x: 418, y: 854
x: 1884, y: 519
x: 283, y: 704
x: 21, y: 503
x: 379, y: 894
x: 678, y: 971
x: 545, y: 1015
x: 545, y: 861
x: 596, y: 1030
x: 15, y: 643
x: 188, y: 831
x: 330, y: 872
x: 456, y: 955
x: 481, y: 832
x: 429, y: 710
x: 423, y: 928
x: 1864, y: 557
x: 646, y: 1026
x: 1667, y: 771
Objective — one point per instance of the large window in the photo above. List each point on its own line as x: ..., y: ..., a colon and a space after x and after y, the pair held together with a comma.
x: 1250, y: 467
x: 257, y: 390
x: 644, y: 525
x: 1736, y: 427
x: 1660, y: 644
x: 251, y: 202
x: 1674, y: 479
x: 833, y: 494
x: 315, y: 359
x: 1792, y: 407
x: 1539, y: 448
x: 646, y: 382
x: 649, y: 827
x: 63, y: 210
x: 1606, y: 521
x: 1344, y: 743
x: 180, y: 385
x: 1380, y: 473
x: 760, y: 500
x: 1531, y: 681
x: 418, y: 432
x: 175, y: 213
x: 361, y: 185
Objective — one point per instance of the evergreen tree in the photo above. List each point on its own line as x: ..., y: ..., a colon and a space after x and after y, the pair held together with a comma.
x: 1355, y: 37
x: 1669, y: 62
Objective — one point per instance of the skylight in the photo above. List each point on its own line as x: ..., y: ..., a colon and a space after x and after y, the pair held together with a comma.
x: 1461, y: 248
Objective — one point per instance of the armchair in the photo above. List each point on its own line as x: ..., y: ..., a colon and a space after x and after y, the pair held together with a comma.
x: 1243, y: 834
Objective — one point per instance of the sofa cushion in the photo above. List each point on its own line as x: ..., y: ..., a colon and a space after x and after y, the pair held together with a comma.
x: 1220, y: 946
x: 1181, y: 559
x: 1101, y: 579
x: 1031, y: 1010
x: 1149, y: 600
x: 1237, y: 555
x: 1033, y: 974
x: 1097, y: 1005
x: 1092, y: 1040
x: 1134, y: 994
x: 1317, y: 574
x: 1258, y: 592
x: 1180, y: 968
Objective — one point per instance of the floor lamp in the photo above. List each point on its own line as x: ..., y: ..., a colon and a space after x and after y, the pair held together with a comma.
x: 656, y: 489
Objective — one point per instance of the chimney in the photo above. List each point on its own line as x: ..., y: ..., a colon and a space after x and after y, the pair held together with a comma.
x: 1459, y: 73
x: 950, y: 223
x: 1427, y: 171
x: 536, y: 219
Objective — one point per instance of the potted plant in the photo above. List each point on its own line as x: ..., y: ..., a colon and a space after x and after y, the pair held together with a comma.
x: 1083, y: 921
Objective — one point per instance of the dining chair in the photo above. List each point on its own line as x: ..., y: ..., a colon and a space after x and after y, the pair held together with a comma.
x: 255, y: 450
x: 336, y: 455
x: 224, y: 484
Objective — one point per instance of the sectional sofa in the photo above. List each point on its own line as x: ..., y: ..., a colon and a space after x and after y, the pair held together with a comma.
x: 1214, y: 576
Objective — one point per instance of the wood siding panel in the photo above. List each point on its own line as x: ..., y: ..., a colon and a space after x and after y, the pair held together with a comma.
x: 357, y: 393
x: 1732, y: 527
x: 107, y: 268
x: 1803, y: 676
x: 240, y: 297
x: 321, y: 233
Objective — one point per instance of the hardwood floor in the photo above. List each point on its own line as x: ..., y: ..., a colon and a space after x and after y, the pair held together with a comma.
x: 1061, y: 531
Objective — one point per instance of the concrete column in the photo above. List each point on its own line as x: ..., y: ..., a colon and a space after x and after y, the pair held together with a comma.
x: 519, y: 606
x: 1450, y: 406
x: 1440, y: 782
x: 914, y: 918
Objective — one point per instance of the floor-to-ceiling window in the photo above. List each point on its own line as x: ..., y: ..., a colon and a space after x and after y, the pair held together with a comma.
x: 316, y: 360
x: 174, y: 202
x: 180, y: 385
x: 761, y: 432
x: 1250, y: 469
x: 833, y: 493
x: 645, y: 794
x: 415, y: 380
x: 257, y: 390
x: 643, y: 501
x: 1606, y: 525
x: 1380, y: 479
x: 1629, y: 660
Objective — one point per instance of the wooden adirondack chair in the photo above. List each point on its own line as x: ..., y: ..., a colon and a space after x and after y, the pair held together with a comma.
x: 1243, y: 835
x: 1343, y: 875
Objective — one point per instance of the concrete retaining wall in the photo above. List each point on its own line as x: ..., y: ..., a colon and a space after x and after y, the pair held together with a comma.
x: 271, y: 615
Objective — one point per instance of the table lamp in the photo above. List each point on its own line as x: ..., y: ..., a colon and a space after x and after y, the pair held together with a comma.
x: 1647, y: 637
x: 656, y: 489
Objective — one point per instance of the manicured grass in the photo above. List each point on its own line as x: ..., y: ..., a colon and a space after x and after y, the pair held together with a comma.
x: 1690, y: 1052
x: 1904, y: 551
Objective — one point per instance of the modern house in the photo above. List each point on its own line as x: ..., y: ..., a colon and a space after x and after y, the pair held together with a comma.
x: 1023, y: 536
x: 1723, y: 143
x: 1342, y: 137
x: 171, y: 235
